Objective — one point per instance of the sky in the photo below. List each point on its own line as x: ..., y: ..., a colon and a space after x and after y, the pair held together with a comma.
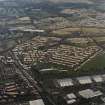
x: 74, y: 1
x: 59, y: 1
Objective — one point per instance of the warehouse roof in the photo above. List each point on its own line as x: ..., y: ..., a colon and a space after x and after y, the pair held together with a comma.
x: 88, y: 93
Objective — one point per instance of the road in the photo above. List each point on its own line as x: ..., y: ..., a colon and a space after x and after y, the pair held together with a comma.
x: 31, y: 80
x: 18, y: 67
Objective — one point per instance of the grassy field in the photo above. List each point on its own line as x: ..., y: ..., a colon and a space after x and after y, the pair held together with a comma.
x: 68, y: 31
x: 80, y: 42
x: 99, y: 39
x: 96, y: 65
x: 93, y: 30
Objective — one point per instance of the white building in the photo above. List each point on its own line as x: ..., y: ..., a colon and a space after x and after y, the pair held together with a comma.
x: 65, y: 82
x: 88, y: 93
x: 98, y: 78
x: 37, y: 102
x: 84, y: 80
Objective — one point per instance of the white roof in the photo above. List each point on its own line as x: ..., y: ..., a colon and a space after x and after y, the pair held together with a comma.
x: 65, y: 82
x: 32, y: 30
x: 50, y: 69
x: 88, y: 93
x: 24, y: 18
x: 71, y: 101
x: 84, y: 80
x: 97, y: 78
x: 27, y: 29
x: 71, y: 96
x: 37, y: 102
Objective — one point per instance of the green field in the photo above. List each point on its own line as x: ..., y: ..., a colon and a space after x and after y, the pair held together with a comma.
x: 96, y: 65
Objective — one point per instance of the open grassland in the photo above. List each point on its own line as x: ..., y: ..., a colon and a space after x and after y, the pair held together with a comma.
x: 99, y: 39
x: 84, y: 31
x: 96, y: 64
x: 93, y: 30
x: 66, y: 31
x: 80, y: 42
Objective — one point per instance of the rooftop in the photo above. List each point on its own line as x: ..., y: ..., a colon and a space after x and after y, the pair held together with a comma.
x: 88, y: 93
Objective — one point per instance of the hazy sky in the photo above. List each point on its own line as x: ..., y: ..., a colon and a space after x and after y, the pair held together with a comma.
x: 75, y: 1
x: 72, y: 1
